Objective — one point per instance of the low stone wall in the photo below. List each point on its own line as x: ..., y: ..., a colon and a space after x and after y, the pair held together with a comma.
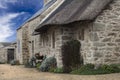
x: 3, y: 55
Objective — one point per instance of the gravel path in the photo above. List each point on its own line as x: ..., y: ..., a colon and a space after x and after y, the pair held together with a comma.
x: 8, y: 72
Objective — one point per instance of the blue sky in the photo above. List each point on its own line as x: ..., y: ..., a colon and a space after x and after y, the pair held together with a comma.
x: 13, y: 13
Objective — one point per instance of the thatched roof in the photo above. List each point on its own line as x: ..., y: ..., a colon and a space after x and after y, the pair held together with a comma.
x: 74, y: 10
x: 42, y: 10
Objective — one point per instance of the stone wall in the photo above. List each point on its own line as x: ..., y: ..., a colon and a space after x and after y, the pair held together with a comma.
x: 66, y: 33
x: 100, y: 39
x: 25, y: 44
x: 3, y: 57
x: 101, y: 44
x: 22, y: 52
x: 78, y: 31
x: 51, y: 42
x: 34, y: 41
x: 19, y: 55
x: 28, y: 44
x: 106, y: 30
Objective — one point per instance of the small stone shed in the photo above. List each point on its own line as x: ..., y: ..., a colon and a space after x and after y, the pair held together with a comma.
x: 95, y: 23
x: 7, y: 52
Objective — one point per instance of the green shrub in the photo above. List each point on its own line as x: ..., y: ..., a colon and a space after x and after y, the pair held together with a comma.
x: 88, y: 69
x: 82, y: 71
x: 58, y: 70
x: 51, y: 69
x: 47, y: 64
x: 31, y: 63
x: 110, y: 68
x: 38, y: 65
x: 85, y: 68
x: 118, y: 65
x: 88, y: 66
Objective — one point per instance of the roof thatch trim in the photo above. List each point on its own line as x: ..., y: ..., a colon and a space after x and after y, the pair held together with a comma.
x: 74, y: 10
x: 51, y: 2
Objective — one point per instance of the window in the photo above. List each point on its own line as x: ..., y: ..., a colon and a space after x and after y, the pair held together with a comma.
x: 32, y: 47
x: 18, y: 46
x: 47, y: 40
x: 42, y: 40
x: 81, y: 34
x: 53, y: 40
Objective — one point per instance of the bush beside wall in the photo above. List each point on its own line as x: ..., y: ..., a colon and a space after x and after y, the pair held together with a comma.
x: 48, y: 64
x: 90, y: 70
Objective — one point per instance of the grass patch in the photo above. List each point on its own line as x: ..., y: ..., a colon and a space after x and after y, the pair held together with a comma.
x: 52, y: 69
x: 58, y: 70
x: 89, y: 70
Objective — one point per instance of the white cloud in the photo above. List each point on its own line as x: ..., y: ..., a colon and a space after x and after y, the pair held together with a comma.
x: 3, y: 3
x: 6, y: 25
x: 10, y: 1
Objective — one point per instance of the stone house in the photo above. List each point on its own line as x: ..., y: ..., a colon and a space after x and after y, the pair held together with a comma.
x: 27, y: 44
x: 7, y: 52
x: 95, y: 23
x: 92, y: 22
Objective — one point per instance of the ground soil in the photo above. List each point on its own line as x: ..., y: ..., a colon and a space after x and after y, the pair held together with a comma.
x: 8, y: 72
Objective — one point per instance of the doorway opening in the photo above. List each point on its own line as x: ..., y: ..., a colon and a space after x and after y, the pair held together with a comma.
x: 71, y: 55
x: 10, y: 55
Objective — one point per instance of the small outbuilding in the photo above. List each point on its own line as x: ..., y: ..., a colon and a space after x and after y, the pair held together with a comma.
x: 7, y: 52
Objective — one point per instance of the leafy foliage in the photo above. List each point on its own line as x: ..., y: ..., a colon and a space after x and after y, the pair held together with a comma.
x: 88, y: 66
x: 29, y: 65
x: 38, y: 65
x: 47, y: 64
x: 110, y: 68
x: 58, y: 70
x: 89, y: 70
x: 51, y: 69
